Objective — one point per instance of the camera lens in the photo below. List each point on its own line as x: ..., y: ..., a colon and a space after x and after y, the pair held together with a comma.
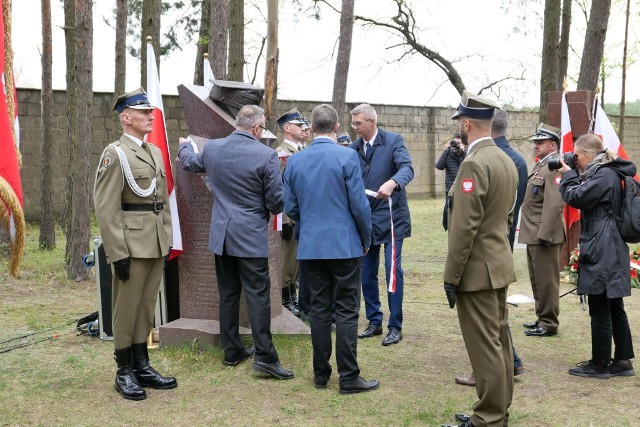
x: 554, y: 164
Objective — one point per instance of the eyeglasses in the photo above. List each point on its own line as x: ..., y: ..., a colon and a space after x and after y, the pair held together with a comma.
x: 261, y: 127
x: 358, y: 124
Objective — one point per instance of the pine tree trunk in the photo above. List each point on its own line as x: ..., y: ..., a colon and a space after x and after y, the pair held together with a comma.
x: 236, y: 41
x: 594, y: 45
x: 47, y: 237
x: 78, y: 239
x: 150, y: 28
x: 219, y: 38
x: 563, y: 54
x: 550, y: 52
x: 623, y: 93
x: 203, y: 42
x: 121, y: 60
x: 70, y: 49
x: 344, y: 56
x: 271, y: 73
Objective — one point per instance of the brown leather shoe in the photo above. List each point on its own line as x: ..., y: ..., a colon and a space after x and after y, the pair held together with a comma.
x: 470, y: 380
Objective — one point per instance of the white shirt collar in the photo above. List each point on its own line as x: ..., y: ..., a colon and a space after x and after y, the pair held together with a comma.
x: 476, y: 141
x: 373, y: 138
x: 293, y: 145
x: 134, y: 139
x: 547, y: 156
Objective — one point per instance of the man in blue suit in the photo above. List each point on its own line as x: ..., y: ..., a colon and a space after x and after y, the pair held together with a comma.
x: 246, y: 183
x: 325, y: 195
x: 386, y: 170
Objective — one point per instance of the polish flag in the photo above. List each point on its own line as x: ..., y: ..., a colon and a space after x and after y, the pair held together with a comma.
x: 607, y: 134
x: 11, y: 200
x: 158, y: 137
x: 571, y: 214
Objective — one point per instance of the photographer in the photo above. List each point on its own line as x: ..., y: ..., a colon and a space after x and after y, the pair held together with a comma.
x: 594, y: 186
x: 542, y: 229
x: 449, y: 162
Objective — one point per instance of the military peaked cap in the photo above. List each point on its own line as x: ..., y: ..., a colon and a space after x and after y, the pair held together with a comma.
x: 475, y: 107
x: 137, y: 100
x: 546, y: 131
x: 292, y: 116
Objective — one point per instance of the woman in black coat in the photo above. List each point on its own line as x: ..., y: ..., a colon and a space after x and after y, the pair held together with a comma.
x: 603, y: 270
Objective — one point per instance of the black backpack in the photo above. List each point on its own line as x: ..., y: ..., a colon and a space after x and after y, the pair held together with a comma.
x: 629, y: 220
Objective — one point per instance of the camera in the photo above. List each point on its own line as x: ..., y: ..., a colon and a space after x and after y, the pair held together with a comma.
x: 454, y: 144
x: 569, y: 159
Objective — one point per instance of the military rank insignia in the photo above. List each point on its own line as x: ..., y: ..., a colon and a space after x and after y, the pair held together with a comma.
x: 467, y: 186
x: 106, y: 162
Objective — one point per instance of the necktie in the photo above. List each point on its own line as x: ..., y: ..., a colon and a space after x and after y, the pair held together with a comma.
x: 367, y: 145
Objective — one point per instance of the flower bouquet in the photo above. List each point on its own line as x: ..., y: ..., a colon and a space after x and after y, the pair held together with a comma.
x: 572, y: 267
x: 634, y: 264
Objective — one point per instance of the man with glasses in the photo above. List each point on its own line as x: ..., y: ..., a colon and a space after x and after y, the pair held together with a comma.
x: 293, y: 126
x: 245, y: 180
x: 542, y: 228
x: 386, y: 170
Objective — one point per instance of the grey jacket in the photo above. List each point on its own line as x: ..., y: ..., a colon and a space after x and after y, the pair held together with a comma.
x: 245, y: 179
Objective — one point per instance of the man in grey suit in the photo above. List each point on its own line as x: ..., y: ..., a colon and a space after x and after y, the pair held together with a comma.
x: 245, y: 179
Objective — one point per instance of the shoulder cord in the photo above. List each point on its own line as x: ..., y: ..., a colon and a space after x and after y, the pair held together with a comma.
x: 126, y: 171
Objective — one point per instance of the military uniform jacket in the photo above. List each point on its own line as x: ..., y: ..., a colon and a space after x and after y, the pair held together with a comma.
x: 289, y: 150
x: 136, y: 234
x: 542, y: 207
x: 480, y: 214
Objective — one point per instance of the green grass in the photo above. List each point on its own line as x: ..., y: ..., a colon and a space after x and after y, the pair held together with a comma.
x: 68, y: 379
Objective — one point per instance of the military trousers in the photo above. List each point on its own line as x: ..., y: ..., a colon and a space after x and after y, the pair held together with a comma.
x: 289, y: 255
x: 484, y: 319
x: 544, y: 273
x: 134, y: 301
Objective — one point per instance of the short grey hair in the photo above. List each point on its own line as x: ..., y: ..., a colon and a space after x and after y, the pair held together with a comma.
x: 324, y: 119
x: 249, y: 116
x: 367, y: 110
x: 500, y: 122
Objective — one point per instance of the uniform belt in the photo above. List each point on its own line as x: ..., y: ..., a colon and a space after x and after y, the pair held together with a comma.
x: 154, y: 207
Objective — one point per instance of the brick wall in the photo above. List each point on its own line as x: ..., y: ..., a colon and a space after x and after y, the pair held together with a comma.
x: 425, y: 129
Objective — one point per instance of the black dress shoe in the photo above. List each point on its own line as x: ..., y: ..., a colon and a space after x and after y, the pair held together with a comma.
x: 274, y: 369
x: 539, y: 332
x: 393, y: 337
x: 245, y: 354
x: 359, y: 386
x: 320, y: 382
x: 464, y: 419
x: 530, y: 325
x: 371, y: 331
x: 289, y: 305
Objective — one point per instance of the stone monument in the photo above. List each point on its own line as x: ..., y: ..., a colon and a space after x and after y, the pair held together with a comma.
x: 199, y: 300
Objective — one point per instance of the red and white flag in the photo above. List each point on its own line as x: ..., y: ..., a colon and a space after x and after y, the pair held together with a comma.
x: 571, y: 214
x: 607, y: 134
x: 158, y: 137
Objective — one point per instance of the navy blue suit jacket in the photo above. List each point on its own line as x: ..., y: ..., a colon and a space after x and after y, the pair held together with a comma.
x: 521, y: 165
x: 387, y: 159
x: 324, y: 194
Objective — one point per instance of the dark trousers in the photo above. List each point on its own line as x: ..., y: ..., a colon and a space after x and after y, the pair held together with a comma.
x: 445, y: 212
x: 304, y: 298
x: 609, y: 320
x: 339, y: 280
x: 251, y: 274
x: 370, y: 286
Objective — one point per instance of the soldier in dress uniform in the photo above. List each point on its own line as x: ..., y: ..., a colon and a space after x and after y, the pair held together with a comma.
x: 132, y: 207
x: 542, y: 228
x: 294, y: 133
x: 479, y: 265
